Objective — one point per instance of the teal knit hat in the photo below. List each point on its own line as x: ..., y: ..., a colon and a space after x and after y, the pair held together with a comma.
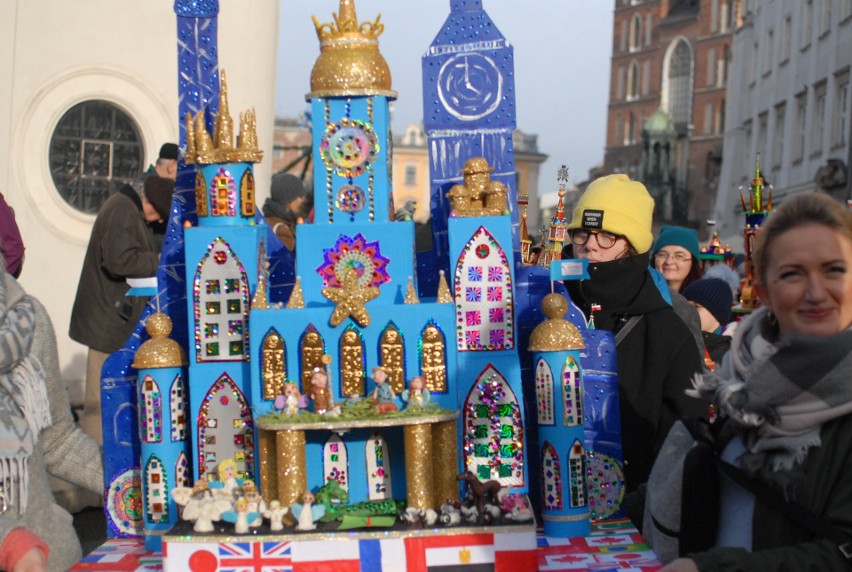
x: 678, y: 236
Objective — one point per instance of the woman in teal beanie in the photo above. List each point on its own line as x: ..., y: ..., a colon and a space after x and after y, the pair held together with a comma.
x: 676, y: 256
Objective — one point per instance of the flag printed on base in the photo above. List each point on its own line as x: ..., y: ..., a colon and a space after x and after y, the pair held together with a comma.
x: 255, y: 557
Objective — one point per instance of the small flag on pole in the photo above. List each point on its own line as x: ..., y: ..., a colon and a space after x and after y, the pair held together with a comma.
x: 569, y: 269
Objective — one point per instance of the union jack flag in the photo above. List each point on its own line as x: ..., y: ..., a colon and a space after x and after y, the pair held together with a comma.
x: 255, y: 557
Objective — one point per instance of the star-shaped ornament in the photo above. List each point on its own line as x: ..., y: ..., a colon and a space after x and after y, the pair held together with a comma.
x: 350, y: 299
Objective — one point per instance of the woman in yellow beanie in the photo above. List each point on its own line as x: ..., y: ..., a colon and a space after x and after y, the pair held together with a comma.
x: 611, y: 227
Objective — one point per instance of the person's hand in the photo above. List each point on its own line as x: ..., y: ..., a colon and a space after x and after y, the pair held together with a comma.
x: 680, y: 565
x: 33, y: 560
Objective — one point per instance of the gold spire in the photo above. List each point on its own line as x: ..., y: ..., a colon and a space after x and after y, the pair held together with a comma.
x: 297, y: 297
x: 204, y: 149
x: 350, y: 62
x: 411, y: 293
x: 555, y: 333
x: 160, y: 351
x: 261, y: 295
x: 444, y: 295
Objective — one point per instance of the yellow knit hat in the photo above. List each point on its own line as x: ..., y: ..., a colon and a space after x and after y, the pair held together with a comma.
x: 618, y: 205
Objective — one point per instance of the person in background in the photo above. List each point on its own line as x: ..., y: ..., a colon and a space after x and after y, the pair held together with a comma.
x: 166, y: 167
x: 38, y: 439
x: 11, y: 242
x: 120, y: 247
x: 784, y: 395
x: 675, y: 255
x: 728, y: 275
x: 712, y: 298
x: 284, y: 208
x: 611, y: 228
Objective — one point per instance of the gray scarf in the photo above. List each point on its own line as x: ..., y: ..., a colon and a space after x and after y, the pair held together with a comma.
x: 24, y: 407
x: 779, y: 394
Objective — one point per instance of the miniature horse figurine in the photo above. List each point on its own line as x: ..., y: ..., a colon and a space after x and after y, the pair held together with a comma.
x: 481, y: 491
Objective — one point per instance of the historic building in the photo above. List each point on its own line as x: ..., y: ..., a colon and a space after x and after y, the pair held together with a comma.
x: 667, y: 100
x: 791, y: 76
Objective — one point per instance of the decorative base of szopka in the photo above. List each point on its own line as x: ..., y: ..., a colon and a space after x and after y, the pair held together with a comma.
x: 375, y: 544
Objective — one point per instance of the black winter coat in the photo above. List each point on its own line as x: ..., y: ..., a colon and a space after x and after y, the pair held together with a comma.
x: 656, y: 360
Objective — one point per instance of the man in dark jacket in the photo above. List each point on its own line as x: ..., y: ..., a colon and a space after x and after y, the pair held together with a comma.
x: 611, y: 227
x: 121, y: 247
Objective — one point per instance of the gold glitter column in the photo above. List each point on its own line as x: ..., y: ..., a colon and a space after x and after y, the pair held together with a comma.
x: 418, y: 465
x: 292, y: 474
x: 268, y: 474
x: 445, y: 462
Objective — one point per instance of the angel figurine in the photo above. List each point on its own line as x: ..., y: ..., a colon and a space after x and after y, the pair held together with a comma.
x: 275, y: 513
x: 228, y: 482
x: 291, y: 400
x: 200, y: 506
x: 383, y: 394
x: 417, y: 394
x: 256, y: 504
x: 240, y: 516
x: 307, y: 513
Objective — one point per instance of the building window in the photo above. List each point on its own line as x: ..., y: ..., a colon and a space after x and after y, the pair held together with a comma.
x: 722, y: 67
x: 410, y: 175
x: 801, y: 126
x: 845, y: 9
x: 708, y: 119
x: 841, y: 112
x: 726, y: 15
x: 753, y: 63
x: 619, y: 86
x: 633, y: 82
x: 619, y: 130
x: 646, y: 77
x: 720, y: 118
x: 711, y: 66
x: 714, y: 16
x: 680, y: 83
x: 786, y: 38
x: 94, y: 150
x: 807, y: 22
x: 636, y: 33
x: 825, y: 18
x: 649, y: 20
x: 818, y: 120
x: 748, y: 156
x: 767, y: 51
x: 778, y: 137
x: 762, y: 127
x: 623, y: 45
x: 631, y: 129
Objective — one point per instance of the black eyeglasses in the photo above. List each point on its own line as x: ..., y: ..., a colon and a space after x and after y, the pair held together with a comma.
x: 580, y: 236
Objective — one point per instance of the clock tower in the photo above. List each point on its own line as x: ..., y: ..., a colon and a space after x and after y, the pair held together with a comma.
x: 468, y: 111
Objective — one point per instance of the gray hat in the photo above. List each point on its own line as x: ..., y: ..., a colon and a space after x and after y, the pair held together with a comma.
x: 286, y: 188
x: 158, y: 191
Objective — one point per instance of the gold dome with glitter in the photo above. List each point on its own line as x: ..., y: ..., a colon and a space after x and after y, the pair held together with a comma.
x: 555, y: 333
x: 350, y: 62
x: 160, y: 351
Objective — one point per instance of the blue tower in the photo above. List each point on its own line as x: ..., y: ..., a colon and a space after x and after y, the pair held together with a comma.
x: 468, y: 111
x: 164, y: 427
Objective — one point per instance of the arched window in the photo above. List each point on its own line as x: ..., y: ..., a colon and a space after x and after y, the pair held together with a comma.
x: 247, y: 194
x: 433, y: 358
x: 157, y: 491
x: 152, y: 411
x: 551, y: 477
x: 378, y: 468
x: 273, y: 365
x: 576, y: 474
x: 392, y: 352
x: 311, y: 348
x: 679, y: 82
x: 225, y: 430
x: 572, y: 393
x: 353, y: 367
x: 544, y: 392
x: 636, y: 33
x: 177, y: 401
x: 633, y: 81
x: 336, y: 461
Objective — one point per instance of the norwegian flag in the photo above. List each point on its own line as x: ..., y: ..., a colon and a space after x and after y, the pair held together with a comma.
x: 255, y: 557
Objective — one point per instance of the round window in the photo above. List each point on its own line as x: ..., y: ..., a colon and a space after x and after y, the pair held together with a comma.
x: 95, y: 149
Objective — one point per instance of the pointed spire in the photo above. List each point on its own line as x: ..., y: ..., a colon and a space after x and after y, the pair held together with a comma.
x: 297, y: 297
x: 444, y: 295
x: 411, y: 293
x: 261, y: 295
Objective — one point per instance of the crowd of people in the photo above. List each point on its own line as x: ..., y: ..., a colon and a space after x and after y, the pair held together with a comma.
x: 775, y: 385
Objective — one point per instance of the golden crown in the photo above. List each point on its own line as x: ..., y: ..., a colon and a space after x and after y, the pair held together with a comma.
x: 346, y: 23
x: 205, y: 149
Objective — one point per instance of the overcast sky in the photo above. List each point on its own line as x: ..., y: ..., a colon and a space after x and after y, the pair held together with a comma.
x: 562, y: 60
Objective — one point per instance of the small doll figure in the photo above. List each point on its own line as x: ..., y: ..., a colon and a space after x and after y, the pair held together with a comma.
x: 240, y: 516
x: 291, y: 400
x: 417, y: 394
x: 383, y: 394
x: 320, y: 392
x: 275, y: 513
x: 307, y: 513
x: 256, y: 504
x: 200, y: 506
x: 228, y: 482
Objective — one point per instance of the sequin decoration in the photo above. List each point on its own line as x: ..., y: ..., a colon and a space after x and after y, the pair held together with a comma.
x: 220, y: 335
x: 551, y: 477
x: 493, y: 439
x: 572, y: 392
x: 353, y: 367
x: 182, y: 470
x: 156, y: 497
x: 350, y: 199
x: 483, y: 294
x: 349, y: 146
x: 152, y: 411
x: 544, y: 392
x: 392, y: 351
x: 606, y: 485
x: 230, y: 421
x: 355, y: 253
x: 336, y: 461
x: 576, y: 474
x: 124, y: 503
x: 177, y: 409
x: 432, y: 347
x: 247, y: 206
x: 311, y: 348
x: 378, y: 468
x: 223, y: 194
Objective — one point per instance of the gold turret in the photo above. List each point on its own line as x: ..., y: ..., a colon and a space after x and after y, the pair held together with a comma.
x: 159, y: 351
x: 203, y: 148
x: 350, y: 62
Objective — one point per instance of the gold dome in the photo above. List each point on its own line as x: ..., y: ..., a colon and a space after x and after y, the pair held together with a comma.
x: 555, y: 333
x: 160, y: 351
x: 350, y: 62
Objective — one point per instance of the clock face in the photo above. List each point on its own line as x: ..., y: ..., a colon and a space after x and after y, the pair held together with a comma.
x: 470, y: 86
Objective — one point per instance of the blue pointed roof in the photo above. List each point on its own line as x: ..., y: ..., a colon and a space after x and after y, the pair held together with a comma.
x: 468, y: 22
